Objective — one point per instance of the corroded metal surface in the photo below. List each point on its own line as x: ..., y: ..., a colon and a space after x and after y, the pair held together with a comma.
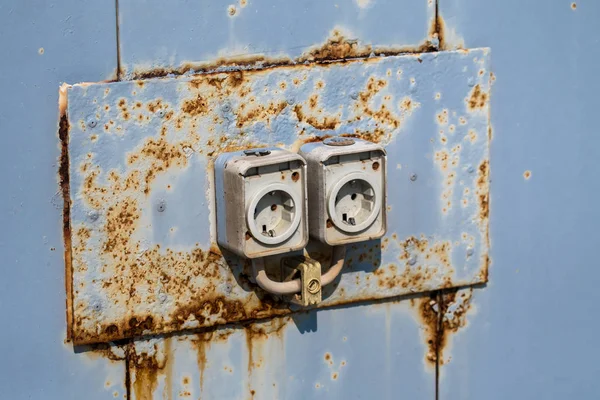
x: 143, y: 254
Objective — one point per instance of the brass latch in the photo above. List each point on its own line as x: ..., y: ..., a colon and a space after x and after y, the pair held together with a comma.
x: 310, y: 278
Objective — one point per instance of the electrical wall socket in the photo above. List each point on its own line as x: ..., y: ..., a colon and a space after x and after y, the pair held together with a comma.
x: 261, y: 202
x: 347, y: 190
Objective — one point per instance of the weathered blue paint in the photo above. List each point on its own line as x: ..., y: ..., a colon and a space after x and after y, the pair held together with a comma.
x: 529, y: 332
x: 533, y: 330
x: 428, y: 110
x: 43, y: 44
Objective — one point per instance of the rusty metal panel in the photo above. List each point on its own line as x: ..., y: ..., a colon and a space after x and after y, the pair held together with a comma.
x: 144, y: 258
x: 532, y: 331
x: 355, y: 352
x: 155, y: 38
x: 44, y: 44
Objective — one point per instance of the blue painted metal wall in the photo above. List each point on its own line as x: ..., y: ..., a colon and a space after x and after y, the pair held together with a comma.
x: 528, y: 333
x: 43, y: 44
x: 533, y: 332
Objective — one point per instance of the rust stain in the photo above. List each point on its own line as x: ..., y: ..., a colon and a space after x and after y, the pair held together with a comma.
x: 485, y: 268
x: 430, y: 260
x: 147, y: 367
x: 112, y: 352
x: 259, y: 113
x: 477, y: 99
x: 438, y: 30
x: 162, y: 155
x: 320, y: 123
x: 573, y: 6
x: 173, y: 270
x: 442, y: 314
x: 472, y: 135
x: 337, y: 47
x: 408, y: 105
x: 384, y: 116
x: 442, y: 117
x: 201, y: 343
x: 256, y: 336
x: 63, y: 178
x: 430, y: 318
x: 376, y: 135
x: 195, y: 106
x: 453, y: 316
x: 527, y: 174
x: 442, y: 158
x: 483, y: 191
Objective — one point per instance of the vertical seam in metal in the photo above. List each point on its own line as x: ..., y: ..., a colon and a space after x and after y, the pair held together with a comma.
x: 118, y: 40
x: 440, y: 297
x: 436, y: 16
x: 438, y: 341
x: 127, y: 371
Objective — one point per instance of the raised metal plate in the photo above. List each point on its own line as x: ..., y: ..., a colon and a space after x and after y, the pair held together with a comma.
x: 144, y: 258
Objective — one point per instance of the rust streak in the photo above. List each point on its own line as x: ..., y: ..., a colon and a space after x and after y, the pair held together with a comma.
x: 146, y: 369
x: 201, y: 343
x: 63, y: 174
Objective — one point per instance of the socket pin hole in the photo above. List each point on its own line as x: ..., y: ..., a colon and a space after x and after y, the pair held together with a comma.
x: 353, y: 196
x: 273, y: 207
x: 295, y: 176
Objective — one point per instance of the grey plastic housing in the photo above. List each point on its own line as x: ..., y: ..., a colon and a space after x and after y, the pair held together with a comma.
x: 261, y: 202
x: 347, y: 190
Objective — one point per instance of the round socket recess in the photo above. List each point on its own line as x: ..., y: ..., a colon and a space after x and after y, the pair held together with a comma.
x: 354, y: 202
x: 273, y: 215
